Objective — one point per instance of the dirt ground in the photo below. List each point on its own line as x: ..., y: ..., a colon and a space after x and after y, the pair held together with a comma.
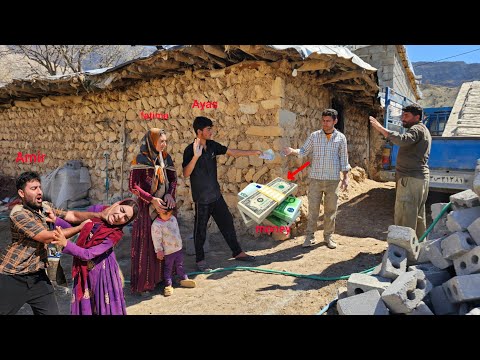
x: 363, y: 218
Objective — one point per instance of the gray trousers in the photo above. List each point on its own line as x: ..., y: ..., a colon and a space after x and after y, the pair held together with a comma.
x: 316, y: 190
x: 410, y: 200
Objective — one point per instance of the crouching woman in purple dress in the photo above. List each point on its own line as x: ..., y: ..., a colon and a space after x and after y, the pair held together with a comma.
x: 97, y: 281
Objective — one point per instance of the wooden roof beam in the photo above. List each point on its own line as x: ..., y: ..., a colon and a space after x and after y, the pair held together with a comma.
x: 339, y: 76
x: 215, y: 50
x: 313, y: 65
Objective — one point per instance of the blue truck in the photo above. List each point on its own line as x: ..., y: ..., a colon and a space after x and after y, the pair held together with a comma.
x: 452, y: 160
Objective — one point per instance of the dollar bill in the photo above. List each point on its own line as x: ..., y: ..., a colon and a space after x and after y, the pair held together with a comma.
x: 248, y: 190
x: 283, y: 185
x: 267, y: 155
x: 257, y: 206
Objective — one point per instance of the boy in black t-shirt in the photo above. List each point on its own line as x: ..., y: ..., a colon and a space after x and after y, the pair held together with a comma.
x: 200, y: 163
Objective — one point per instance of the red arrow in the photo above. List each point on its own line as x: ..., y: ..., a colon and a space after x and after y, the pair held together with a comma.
x: 291, y: 176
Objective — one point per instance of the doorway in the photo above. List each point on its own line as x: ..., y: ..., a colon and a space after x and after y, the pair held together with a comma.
x: 340, y: 126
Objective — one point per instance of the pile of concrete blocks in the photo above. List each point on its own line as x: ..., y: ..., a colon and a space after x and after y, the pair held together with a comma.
x: 439, y: 276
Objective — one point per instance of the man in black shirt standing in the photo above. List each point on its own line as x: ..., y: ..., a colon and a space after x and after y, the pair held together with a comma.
x: 200, y: 163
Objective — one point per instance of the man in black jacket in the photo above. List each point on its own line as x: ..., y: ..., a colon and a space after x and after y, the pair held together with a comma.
x: 200, y: 163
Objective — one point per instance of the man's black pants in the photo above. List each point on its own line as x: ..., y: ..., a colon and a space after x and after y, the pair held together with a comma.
x: 224, y: 220
x: 34, y: 289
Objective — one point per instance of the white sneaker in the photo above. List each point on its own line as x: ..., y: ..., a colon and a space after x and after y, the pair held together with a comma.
x: 331, y: 244
x: 309, y: 241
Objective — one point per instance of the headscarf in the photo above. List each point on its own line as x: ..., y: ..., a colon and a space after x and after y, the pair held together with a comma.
x: 148, y: 157
x: 114, y: 233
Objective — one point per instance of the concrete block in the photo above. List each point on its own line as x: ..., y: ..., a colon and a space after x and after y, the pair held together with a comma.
x: 463, y: 288
x: 422, y: 253
x: 421, y: 309
x: 468, y: 263
x: 434, y: 254
x: 441, y: 227
x: 476, y: 179
x: 459, y: 220
x: 405, y: 238
x: 435, y: 275
x: 457, y: 244
x: 342, y: 292
x: 435, y: 235
x: 474, y: 230
x: 455, y: 207
x: 428, y: 301
x: 466, y: 198
x: 436, y: 208
x: 439, y: 233
x: 360, y: 283
x: 475, y: 311
x: 394, y: 262
x: 406, y: 292
x: 377, y: 270
x: 368, y: 303
x: 465, y: 308
x: 440, y: 303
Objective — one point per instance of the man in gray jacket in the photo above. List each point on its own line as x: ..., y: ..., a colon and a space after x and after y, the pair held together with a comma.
x: 412, y: 172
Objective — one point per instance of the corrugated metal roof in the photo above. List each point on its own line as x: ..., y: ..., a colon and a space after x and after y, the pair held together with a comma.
x: 341, y: 51
x: 327, y: 60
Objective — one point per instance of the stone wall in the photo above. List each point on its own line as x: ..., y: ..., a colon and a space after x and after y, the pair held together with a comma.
x: 260, y: 106
x: 356, y: 131
x: 301, y: 115
x: 391, y: 71
x: 382, y: 58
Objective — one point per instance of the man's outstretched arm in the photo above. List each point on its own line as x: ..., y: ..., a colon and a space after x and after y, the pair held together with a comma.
x: 236, y: 152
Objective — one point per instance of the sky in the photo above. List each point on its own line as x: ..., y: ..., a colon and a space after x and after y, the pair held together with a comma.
x: 439, y: 52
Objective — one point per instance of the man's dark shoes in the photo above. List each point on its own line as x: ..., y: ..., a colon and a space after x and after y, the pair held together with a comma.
x: 203, y: 266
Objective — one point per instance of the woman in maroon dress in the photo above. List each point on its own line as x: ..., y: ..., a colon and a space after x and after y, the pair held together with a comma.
x: 153, y: 179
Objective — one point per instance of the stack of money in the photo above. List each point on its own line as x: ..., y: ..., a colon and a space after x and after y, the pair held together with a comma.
x: 257, y: 206
x: 288, y: 210
x: 258, y: 201
x: 249, y: 190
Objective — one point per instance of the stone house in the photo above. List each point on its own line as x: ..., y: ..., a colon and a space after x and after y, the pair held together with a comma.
x: 394, y: 69
x: 266, y: 97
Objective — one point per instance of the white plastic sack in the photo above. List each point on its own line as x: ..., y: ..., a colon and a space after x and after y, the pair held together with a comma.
x: 66, y: 184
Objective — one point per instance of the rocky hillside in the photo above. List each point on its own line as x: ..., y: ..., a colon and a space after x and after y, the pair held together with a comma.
x: 441, y: 81
x: 438, y: 96
x: 447, y: 73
